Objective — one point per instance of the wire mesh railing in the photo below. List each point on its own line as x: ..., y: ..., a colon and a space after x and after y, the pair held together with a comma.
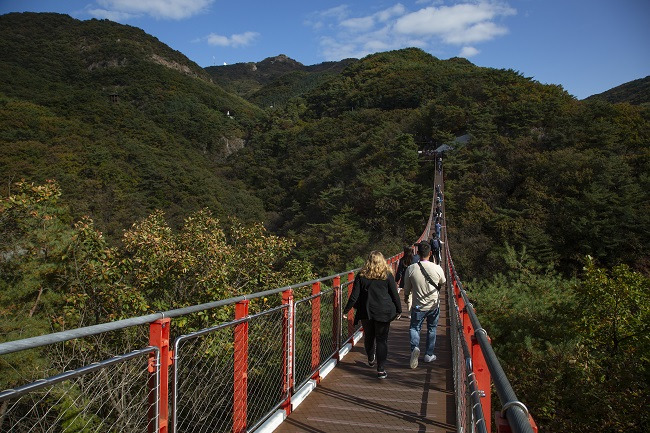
x: 476, y: 369
x: 303, y: 357
x: 486, y: 370
x: 348, y: 328
x: 460, y: 368
x: 119, y: 394
x: 328, y: 337
x: 265, y: 366
x: 469, y: 408
x: 228, y: 377
x: 201, y: 392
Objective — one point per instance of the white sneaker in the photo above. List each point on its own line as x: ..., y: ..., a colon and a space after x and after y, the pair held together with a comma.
x: 415, y: 354
x: 429, y: 358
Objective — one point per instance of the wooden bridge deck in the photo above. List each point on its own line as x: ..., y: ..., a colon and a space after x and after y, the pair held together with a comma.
x: 352, y: 399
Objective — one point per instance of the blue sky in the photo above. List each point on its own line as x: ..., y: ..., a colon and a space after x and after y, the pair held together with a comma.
x: 586, y: 46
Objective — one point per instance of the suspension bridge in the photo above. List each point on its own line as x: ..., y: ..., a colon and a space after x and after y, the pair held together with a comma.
x: 284, y: 360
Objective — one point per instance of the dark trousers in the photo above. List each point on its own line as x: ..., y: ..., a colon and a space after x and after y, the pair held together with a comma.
x: 375, y: 340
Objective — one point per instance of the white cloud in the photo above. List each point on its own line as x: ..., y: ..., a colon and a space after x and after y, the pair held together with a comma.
x: 468, y: 52
x: 162, y: 9
x: 479, y: 32
x: 433, y: 27
x: 234, y: 41
x: 358, y: 24
x: 389, y: 13
x: 369, y: 22
x: 451, y: 22
x: 338, y: 12
x: 316, y: 20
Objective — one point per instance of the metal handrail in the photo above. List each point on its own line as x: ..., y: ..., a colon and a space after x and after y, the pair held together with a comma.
x: 515, y: 411
x: 58, y: 337
x: 67, y: 375
x: 475, y: 396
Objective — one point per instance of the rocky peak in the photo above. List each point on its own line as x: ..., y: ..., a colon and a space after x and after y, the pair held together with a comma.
x: 281, y: 59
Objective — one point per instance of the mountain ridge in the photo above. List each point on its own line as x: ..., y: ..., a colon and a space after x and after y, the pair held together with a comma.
x: 274, y: 80
x: 634, y: 92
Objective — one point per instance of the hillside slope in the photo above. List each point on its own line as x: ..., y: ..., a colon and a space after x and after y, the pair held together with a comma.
x: 634, y: 92
x: 124, y: 123
x: 342, y: 158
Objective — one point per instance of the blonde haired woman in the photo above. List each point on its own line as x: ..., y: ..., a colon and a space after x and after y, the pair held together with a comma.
x: 375, y: 298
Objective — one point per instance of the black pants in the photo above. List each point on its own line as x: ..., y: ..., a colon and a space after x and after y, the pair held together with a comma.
x: 375, y: 340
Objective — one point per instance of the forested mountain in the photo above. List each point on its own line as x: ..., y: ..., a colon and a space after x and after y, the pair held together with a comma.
x: 123, y: 123
x: 537, y: 164
x: 548, y: 203
x: 634, y: 92
x: 126, y: 125
x: 274, y: 80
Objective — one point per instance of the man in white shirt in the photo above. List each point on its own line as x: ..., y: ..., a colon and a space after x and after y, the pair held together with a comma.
x: 425, y: 302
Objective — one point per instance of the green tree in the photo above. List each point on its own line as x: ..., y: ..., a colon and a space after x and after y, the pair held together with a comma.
x: 575, y: 351
x: 35, y: 235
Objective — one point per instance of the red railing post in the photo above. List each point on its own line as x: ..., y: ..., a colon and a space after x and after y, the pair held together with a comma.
x: 350, y: 316
x: 483, y: 380
x: 287, y: 349
x: 159, y: 337
x: 336, y: 321
x: 240, y: 384
x: 315, y: 329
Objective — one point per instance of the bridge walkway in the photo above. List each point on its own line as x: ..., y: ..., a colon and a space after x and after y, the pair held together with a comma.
x: 351, y: 398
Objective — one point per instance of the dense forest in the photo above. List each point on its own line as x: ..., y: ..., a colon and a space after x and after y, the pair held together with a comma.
x: 135, y: 181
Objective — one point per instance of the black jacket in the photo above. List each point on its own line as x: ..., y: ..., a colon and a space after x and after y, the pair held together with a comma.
x: 374, y: 299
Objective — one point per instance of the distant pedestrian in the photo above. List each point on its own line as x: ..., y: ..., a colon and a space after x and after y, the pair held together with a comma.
x: 376, y: 301
x: 425, y: 280
x: 436, y: 249
x: 438, y: 228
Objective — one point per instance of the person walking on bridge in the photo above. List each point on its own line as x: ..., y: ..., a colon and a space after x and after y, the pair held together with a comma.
x: 407, y: 260
x: 436, y: 248
x: 424, y: 279
x: 375, y: 298
x: 438, y: 228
